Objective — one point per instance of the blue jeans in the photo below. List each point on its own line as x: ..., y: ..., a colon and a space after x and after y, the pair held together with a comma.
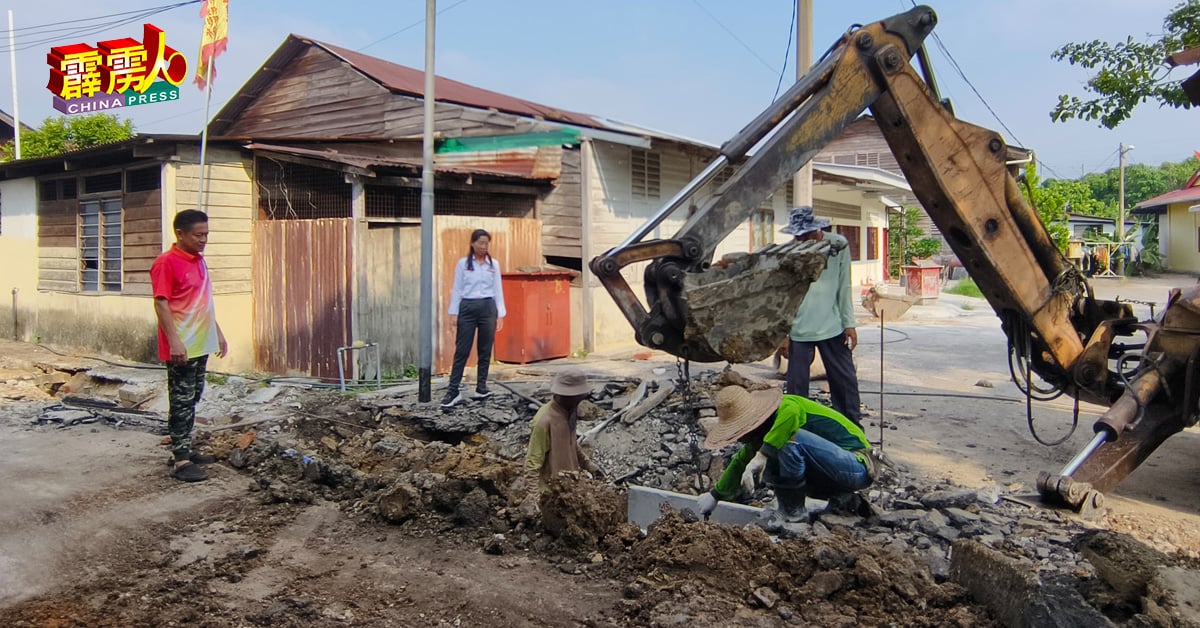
x: 822, y: 466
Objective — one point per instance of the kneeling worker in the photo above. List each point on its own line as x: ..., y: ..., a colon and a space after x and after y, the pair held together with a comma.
x: 796, y: 445
x: 553, y: 445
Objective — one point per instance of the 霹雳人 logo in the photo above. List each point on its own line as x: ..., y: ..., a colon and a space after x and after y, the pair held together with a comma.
x: 116, y: 73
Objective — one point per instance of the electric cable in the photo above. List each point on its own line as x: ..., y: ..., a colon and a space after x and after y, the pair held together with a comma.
x: 787, y: 51
x: 732, y: 34
x: 409, y: 27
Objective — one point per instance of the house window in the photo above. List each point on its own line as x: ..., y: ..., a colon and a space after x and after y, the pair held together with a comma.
x: 867, y: 159
x: 851, y: 233
x: 790, y: 195
x: 762, y: 228
x: 100, y: 244
x: 872, y: 242
x: 646, y: 174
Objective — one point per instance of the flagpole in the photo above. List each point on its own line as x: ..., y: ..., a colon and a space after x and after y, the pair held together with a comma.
x: 203, y: 196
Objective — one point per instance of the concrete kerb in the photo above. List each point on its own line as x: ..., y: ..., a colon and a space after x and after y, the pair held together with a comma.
x: 645, y: 507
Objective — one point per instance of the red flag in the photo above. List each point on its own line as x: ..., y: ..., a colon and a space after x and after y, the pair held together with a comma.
x: 216, y: 36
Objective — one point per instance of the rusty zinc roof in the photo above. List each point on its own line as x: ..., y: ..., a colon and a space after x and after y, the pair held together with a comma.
x: 405, y: 80
x: 534, y: 163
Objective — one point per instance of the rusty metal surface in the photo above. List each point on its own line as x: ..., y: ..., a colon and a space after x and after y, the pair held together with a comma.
x: 523, y: 164
x: 302, y: 274
x: 406, y: 80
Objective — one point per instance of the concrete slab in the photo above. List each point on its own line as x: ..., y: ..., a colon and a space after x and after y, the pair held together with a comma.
x: 644, y: 507
x: 645, y: 504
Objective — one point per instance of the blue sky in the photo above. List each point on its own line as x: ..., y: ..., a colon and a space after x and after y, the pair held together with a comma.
x: 698, y: 68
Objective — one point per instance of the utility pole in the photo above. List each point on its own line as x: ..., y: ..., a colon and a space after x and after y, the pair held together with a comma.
x: 1121, y: 149
x: 425, y: 323
x: 802, y: 183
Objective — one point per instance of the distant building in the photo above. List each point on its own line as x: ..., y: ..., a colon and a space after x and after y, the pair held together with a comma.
x: 1178, y: 214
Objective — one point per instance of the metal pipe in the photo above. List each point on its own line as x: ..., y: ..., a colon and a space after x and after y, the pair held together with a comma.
x: 16, y: 326
x: 675, y: 202
x: 425, y: 334
x: 1080, y: 457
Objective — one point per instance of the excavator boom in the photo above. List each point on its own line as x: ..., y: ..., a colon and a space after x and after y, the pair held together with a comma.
x: 739, y: 311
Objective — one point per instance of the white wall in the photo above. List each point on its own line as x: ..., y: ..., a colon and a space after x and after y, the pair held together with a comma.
x: 18, y: 208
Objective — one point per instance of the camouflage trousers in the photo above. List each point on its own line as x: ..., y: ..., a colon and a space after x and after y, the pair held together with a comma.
x: 185, y: 384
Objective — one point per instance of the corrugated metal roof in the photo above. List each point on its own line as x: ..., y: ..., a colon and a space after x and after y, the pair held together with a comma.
x: 1185, y: 195
x: 524, y: 164
x: 406, y: 80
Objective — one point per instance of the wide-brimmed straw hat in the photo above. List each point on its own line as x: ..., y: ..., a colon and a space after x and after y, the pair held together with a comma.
x: 801, y: 221
x: 738, y: 412
x: 569, y: 383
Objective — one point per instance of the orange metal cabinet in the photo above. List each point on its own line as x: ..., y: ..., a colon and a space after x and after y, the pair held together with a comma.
x: 538, y: 324
x: 924, y: 282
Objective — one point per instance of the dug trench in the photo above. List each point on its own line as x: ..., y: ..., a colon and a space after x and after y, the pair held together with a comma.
x: 348, y: 511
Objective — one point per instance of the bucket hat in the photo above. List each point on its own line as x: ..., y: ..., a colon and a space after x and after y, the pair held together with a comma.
x: 738, y: 412
x: 569, y: 383
x: 801, y: 221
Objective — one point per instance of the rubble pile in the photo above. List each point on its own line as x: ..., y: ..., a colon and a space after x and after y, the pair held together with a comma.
x: 911, y: 553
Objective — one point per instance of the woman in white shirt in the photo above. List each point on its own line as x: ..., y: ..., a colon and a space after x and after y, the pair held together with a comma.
x: 476, y: 305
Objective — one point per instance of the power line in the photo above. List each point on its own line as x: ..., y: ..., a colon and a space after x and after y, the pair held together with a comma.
x: 787, y: 51
x: 104, y: 17
x: 732, y: 34
x: 90, y: 29
x: 409, y: 27
x: 958, y: 69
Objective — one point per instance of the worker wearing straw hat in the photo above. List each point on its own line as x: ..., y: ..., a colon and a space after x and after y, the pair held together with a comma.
x: 796, y: 445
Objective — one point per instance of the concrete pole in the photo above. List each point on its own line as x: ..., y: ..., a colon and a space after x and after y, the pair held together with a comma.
x: 1121, y: 193
x: 12, y: 57
x: 425, y: 335
x: 802, y: 183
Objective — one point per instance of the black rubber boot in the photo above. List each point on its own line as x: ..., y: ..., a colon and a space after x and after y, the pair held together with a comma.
x: 790, y: 500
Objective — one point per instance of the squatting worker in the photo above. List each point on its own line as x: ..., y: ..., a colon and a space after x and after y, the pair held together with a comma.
x: 187, y: 334
x: 825, y: 321
x: 476, y: 307
x: 553, y: 444
x: 796, y: 445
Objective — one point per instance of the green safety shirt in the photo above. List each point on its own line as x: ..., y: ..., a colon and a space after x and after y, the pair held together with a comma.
x: 795, y: 413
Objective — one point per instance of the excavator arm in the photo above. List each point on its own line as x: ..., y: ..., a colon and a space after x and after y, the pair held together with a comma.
x: 741, y: 311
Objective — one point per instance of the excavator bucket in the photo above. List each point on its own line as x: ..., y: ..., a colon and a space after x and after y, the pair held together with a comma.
x: 733, y: 309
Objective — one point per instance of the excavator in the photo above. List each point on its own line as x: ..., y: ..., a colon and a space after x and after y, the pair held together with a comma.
x: 1144, y: 371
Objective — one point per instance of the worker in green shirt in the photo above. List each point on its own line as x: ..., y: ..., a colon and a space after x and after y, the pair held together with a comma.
x: 796, y: 445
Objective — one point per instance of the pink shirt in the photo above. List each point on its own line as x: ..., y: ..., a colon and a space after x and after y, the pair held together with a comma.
x: 182, y: 279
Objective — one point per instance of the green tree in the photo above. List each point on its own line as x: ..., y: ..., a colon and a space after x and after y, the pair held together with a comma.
x: 903, y: 232
x: 1141, y: 182
x: 1129, y: 73
x: 1050, y: 204
x: 68, y: 133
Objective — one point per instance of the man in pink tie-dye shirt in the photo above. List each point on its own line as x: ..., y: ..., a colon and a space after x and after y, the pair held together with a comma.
x: 187, y: 334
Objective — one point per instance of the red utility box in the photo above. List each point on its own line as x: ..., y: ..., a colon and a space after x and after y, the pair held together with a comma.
x: 924, y: 281
x: 538, y: 324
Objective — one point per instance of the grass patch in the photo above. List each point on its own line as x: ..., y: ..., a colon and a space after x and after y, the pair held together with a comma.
x: 217, y: 379
x: 965, y: 287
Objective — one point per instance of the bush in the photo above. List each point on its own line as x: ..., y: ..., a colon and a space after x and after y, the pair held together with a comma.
x: 926, y: 247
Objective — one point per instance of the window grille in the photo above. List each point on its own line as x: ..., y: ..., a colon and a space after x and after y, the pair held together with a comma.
x: 100, y: 245
x: 872, y: 242
x: 107, y: 182
x: 851, y: 233
x: 405, y: 202
x: 291, y: 191
x: 867, y: 159
x: 143, y: 179
x: 646, y: 173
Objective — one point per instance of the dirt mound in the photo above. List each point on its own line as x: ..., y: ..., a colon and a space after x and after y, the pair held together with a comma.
x: 584, y: 514
x: 825, y: 581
